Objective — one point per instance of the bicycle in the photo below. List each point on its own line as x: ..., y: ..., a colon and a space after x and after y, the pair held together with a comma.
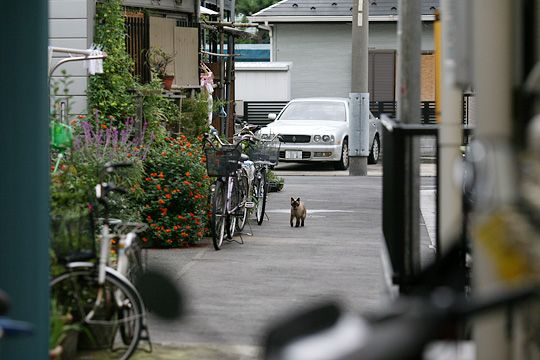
x: 98, y: 297
x: 231, y: 189
x: 265, y: 154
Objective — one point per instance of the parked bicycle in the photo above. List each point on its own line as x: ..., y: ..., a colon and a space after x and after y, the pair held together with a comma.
x: 230, y: 199
x: 264, y: 152
x: 99, y: 298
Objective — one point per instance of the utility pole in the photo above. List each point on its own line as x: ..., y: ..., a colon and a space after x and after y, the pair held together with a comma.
x: 359, y: 97
x: 24, y: 184
x: 410, y: 37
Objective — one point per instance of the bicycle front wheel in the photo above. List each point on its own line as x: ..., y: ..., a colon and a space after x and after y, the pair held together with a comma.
x: 261, y: 198
x: 219, y: 214
x: 108, y: 328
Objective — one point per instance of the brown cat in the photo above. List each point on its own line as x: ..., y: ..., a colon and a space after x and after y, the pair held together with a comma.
x: 298, y: 212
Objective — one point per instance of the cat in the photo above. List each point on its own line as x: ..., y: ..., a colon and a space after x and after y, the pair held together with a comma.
x: 298, y: 212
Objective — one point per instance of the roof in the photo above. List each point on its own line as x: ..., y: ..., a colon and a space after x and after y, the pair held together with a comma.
x: 335, y: 10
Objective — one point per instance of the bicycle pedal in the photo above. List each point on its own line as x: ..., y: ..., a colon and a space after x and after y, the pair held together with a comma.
x: 250, y: 205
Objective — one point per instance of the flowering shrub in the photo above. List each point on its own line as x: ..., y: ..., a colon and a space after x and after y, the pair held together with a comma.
x: 96, y: 143
x: 176, y: 187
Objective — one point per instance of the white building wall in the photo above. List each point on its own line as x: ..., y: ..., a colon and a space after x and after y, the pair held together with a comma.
x: 265, y: 81
x: 321, y: 53
x: 71, y: 25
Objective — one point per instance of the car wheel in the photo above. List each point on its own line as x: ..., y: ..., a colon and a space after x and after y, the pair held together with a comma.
x: 375, y: 151
x: 343, y: 163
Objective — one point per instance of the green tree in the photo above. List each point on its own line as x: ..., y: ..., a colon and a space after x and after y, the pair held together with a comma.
x: 109, y: 92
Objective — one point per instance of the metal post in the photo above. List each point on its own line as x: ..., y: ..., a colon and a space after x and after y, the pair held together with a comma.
x: 450, y: 135
x: 493, y: 64
x: 410, y: 36
x: 359, y: 123
x: 24, y: 184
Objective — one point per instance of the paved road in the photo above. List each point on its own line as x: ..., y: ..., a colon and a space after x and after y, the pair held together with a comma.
x: 234, y: 293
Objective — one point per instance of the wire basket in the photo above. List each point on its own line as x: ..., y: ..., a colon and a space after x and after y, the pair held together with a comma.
x: 265, y: 150
x: 222, y: 161
x: 73, y: 236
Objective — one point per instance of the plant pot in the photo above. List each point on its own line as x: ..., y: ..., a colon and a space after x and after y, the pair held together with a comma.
x: 168, y: 81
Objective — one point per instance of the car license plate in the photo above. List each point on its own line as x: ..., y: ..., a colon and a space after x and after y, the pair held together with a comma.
x: 293, y: 154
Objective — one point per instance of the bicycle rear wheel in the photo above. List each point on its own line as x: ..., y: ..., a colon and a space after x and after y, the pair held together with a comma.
x: 110, y: 329
x: 218, y: 214
x: 242, y: 211
x: 261, y: 198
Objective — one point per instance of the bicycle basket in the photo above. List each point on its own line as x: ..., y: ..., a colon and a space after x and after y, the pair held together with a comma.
x: 222, y: 161
x: 73, y: 236
x: 265, y: 151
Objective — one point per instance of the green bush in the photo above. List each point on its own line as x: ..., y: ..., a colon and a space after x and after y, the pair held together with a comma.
x: 176, y: 188
x: 110, y: 92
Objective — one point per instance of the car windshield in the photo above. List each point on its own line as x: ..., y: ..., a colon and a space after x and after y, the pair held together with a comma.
x: 314, y: 110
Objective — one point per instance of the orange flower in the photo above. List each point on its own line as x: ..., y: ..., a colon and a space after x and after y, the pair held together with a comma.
x: 161, y: 175
x: 180, y: 217
x: 103, y: 126
x: 184, y: 234
x: 168, y: 230
x: 164, y: 153
x: 187, y: 183
x: 161, y: 201
x: 200, y: 234
x: 81, y: 116
x: 153, y: 174
x: 175, y: 227
x: 169, y: 241
x: 129, y: 155
x: 148, y: 179
x: 168, y: 196
x: 188, y: 174
x: 158, y: 187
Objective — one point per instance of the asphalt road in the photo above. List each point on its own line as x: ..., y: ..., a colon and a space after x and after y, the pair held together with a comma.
x: 233, y: 294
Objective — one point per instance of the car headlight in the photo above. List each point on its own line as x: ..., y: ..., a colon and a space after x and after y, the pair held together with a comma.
x: 265, y: 136
x: 328, y: 138
x: 317, y: 138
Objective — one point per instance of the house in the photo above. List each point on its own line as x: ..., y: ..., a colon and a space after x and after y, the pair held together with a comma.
x: 315, y: 35
x: 172, y: 25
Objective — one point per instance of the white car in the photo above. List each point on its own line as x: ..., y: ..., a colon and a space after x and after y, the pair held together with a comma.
x: 317, y: 129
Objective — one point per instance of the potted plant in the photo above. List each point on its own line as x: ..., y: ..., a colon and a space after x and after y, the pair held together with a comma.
x: 159, y: 61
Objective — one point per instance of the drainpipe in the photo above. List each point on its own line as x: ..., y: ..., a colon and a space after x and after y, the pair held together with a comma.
x: 24, y: 184
x: 496, y: 184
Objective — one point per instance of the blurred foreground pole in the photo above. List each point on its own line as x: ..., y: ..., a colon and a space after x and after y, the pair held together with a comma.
x: 410, y: 37
x: 450, y: 134
x: 24, y: 183
x: 495, y: 184
x: 359, y: 122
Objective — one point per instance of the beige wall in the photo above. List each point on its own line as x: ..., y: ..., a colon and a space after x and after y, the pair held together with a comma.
x: 427, y: 77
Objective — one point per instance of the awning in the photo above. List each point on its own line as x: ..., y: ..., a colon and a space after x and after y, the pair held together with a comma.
x: 207, y: 11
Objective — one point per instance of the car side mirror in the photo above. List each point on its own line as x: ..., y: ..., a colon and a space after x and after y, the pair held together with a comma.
x: 272, y: 116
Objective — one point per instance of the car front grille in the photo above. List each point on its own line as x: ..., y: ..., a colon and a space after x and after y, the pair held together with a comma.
x: 296, y: 139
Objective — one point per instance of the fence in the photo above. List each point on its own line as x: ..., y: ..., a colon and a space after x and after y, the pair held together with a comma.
x: 256, y: 112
